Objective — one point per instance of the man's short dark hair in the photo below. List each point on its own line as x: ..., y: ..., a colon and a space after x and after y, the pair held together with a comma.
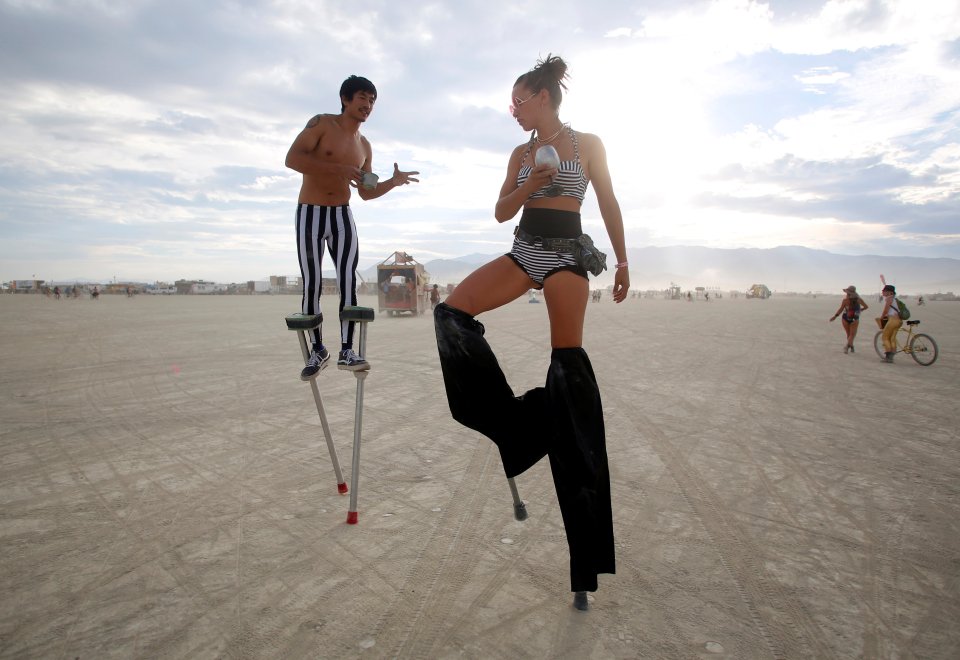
x: 355, y: 84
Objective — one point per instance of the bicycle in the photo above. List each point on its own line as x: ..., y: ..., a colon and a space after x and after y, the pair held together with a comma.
x: 920, y: 346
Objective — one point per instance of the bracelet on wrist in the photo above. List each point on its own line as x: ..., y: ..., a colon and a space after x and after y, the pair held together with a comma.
x: 622, y: 264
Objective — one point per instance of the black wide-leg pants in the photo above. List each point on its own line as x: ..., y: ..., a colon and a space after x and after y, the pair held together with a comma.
x: 562, y: 420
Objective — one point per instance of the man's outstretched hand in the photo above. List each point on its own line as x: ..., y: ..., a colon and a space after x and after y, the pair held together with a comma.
x: 403, y: 178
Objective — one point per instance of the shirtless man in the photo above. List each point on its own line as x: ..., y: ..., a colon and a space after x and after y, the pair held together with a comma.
x: 332, y: 155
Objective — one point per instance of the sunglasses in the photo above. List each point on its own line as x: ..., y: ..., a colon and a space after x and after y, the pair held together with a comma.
x: 517, y: 102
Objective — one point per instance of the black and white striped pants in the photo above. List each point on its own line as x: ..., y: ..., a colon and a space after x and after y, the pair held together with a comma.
x: 333, y: 226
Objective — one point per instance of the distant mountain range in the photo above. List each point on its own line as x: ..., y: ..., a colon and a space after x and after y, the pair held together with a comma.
x: 791, y: 268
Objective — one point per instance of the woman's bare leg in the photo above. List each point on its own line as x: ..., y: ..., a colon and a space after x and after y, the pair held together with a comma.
x: 490, y: 286
x: 566, y: 296
x: 852, y: 332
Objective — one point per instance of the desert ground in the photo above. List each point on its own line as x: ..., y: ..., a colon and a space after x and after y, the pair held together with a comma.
x: 167, y: 493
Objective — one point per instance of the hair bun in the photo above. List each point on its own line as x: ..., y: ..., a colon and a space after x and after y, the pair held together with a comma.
x: 554, y: 67
x: 548, y: 74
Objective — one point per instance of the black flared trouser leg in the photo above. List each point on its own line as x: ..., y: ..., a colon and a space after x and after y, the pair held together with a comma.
x: 578, y: 460
x: 479, y: 396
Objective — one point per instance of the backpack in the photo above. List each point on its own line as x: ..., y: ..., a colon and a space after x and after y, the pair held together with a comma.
x: 902, y: 310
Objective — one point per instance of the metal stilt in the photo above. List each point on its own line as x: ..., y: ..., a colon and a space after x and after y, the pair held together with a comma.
x: 361, y: 315
x: 519, y: 508
x: 301, y: 324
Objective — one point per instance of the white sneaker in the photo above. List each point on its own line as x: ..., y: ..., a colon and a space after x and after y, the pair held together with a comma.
x: 315, y: 364
x: 350, y: 361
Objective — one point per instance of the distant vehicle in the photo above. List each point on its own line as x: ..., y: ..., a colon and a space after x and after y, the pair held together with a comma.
x: 402, y: 285
x: 759, y: 291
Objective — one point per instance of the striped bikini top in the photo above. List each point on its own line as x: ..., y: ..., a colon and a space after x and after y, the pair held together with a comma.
x: 569, y: 176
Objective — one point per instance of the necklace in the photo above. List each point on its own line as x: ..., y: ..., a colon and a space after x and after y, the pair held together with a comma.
x: 552, y: 137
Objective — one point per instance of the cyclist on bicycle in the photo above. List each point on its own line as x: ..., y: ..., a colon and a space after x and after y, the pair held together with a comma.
x: 890, y: 321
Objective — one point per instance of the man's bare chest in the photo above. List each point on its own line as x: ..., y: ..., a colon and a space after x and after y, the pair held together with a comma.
x: 341, y: 149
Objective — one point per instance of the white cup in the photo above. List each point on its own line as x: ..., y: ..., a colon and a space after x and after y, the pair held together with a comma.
x: 369, y: 180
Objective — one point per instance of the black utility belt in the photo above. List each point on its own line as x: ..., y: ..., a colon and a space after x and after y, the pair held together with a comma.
x: 549, y: 244
x: 584, y: 251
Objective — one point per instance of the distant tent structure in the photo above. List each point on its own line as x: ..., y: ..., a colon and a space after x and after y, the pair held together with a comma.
x: 759, y: 291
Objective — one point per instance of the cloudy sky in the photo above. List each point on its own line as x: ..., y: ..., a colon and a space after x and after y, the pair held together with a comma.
x: 145, y: 139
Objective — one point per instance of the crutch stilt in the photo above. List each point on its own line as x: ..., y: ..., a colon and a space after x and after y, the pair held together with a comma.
x: 301, y: 324
x: 362, y: 316
x: 519, y: 508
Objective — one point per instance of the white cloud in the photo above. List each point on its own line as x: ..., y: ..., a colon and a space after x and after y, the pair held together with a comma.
x: 163, y: 144
x: 820, y: 76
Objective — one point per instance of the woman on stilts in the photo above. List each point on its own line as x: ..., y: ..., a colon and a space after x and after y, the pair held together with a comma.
x: 564, y: 418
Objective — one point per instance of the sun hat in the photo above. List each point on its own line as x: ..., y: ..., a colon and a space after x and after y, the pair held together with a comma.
x: 850, y: 289
x: 890, y: 288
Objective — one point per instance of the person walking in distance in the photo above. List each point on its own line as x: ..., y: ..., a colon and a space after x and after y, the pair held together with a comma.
x: 849, y: 313
x: 563, y: 419
x: 333, y: 156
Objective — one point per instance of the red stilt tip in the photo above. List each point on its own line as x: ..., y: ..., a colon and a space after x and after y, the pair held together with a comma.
x: 351, y: 517
x: 342, y: 488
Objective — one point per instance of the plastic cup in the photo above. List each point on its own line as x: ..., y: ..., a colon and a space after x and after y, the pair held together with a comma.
x: 369, y: 180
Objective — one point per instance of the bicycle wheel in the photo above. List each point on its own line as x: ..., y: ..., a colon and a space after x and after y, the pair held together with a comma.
x: 878, y: 344
x: 923, y: 349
